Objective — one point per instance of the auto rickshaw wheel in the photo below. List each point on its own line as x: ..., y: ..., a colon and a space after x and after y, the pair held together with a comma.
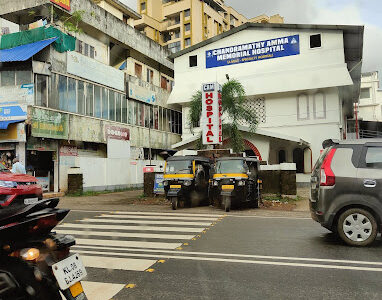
x: 174, y: 203
x: 227, y: 203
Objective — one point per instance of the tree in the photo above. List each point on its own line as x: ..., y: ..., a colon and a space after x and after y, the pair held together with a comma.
x: 235, y: 113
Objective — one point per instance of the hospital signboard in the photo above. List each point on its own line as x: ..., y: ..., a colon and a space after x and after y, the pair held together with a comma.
x: 211, y: 121
x: 254, y: 51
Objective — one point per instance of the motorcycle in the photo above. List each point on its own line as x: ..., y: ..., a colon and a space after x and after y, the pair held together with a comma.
x: 36, y: 263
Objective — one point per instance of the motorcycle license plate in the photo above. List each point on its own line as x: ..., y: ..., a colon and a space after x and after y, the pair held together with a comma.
x: 76, y: 289
x: 29, y: 201
x: 175, y: 186
x: 69, y: 271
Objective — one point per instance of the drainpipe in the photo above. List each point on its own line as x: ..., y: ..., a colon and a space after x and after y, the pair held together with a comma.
x: 356, y: 121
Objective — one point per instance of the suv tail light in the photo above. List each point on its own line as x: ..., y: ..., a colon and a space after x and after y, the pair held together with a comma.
x: 327, y: 176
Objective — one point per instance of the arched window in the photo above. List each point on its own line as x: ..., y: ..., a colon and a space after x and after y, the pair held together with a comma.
x: 282, y: 156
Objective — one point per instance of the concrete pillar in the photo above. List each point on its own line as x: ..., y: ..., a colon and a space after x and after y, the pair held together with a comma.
x: 21, y: 152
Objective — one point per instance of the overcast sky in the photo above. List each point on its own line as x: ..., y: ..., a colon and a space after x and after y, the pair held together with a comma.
x: 345, y: 12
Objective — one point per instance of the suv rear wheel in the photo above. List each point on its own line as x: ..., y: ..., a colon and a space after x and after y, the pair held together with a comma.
x: 357, y: 227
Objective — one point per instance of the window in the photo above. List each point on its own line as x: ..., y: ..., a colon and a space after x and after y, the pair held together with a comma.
x: 62, y: 92
x: 86, y: 52
x: 187, y: 27
x: 374, y: 157
x: 111, y: 105
x: 315, y: 41
x: 72, y: 95
x: 81, y: 98
x: 143, y: 6
x: 97, y: 101
x: 53, y: 98
x: 147, y: 115
x: 118, y: 108
x: 187, y: 42
x: 282, y: 156
x: 41, y: 90
x: 150, y: 76
x: 141, y: 114
x: 193, y: 61
x: 302, y: 107
x: 174, y: 47
x: 89, y: 99
x: 132, y: 112
x: 79, y: 46
x: 124, y: 108
x: 187, y: 13
x: 138, y: 70
x: 177, y: 34
x: 365, y: 93
x: 319, y: 106
x: 105, y: 104
x: 91, y: 52
x: 156, y: 117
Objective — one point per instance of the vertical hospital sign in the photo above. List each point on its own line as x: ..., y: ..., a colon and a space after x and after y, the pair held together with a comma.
x: 211, y: 121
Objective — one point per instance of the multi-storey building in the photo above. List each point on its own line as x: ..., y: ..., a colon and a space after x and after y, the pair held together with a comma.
x: 180, y: 24
x: 89, y: 100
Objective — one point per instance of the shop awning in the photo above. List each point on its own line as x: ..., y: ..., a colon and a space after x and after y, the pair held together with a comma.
x: 24, y: 52
x: 5, y: 124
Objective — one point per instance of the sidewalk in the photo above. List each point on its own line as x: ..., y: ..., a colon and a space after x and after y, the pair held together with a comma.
x: 133, y: 201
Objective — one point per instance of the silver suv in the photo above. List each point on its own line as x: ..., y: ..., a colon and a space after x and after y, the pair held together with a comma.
x: 346, y: 189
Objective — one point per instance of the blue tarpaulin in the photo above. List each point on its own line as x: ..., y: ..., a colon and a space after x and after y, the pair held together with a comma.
x: 24, y: 52
x: 4, y: 124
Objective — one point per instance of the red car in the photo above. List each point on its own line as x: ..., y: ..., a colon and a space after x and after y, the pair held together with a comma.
x: 18, y: 189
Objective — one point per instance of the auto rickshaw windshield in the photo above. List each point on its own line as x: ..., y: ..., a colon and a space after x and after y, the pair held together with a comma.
x: 179, y: 167
x: 231, y: 166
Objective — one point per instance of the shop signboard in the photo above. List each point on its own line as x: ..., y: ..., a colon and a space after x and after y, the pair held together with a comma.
x: 49, y: 124
x: 88, y: 68
x: 35, y: 144
x: 253, y: 51
x: 68, y: 151
x: 17, y: 94
x: 117, y: 133
x: 140, y: 93
x: 14, y: 133
x: 148, y: 169
x: 12, y: 113
x: 62, y: 3
x: 211, y: 121
x: 158, y: 184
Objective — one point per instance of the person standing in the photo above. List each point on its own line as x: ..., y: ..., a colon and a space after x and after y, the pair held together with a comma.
x: 18, y: 167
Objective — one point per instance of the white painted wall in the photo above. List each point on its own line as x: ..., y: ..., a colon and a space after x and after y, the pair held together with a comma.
x: 104, y: 173
x: 101, y: 49
x: 118, y: 149
x: 370, y: 109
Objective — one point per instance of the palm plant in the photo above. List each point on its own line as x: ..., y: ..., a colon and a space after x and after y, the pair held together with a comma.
x: 235, y: 113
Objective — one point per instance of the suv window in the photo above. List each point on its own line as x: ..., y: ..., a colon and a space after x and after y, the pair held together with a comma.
x: 374, y: 157
x: 321, y: 158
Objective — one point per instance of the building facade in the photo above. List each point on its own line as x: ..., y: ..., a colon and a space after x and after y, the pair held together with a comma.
x: 370, y: 101
x: 181, y: 24
x: 92, y: 102
x: 301, y: 83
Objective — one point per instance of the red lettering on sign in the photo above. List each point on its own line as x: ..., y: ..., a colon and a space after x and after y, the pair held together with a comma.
x: 210, y: 126
x: 209, y: 114
x: 209, y: 107
x: 209, y: 101
x: 209, y: 95
x: 209, y: 133
x: 209, y: 140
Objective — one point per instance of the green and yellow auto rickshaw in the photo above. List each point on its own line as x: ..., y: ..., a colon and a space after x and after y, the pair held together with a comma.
x: 186, y: 180
x: 235, y: 182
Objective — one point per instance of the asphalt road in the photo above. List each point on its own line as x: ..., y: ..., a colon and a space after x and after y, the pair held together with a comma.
x: 235, y: 257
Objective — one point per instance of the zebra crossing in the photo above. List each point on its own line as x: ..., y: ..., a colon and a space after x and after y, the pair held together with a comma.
x: 130, y: 241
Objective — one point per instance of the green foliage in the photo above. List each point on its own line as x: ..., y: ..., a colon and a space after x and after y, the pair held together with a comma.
x: 71, y: 23
x: 234, y: 110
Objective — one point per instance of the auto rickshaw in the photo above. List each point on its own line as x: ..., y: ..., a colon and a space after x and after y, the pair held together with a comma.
x: 186, y: 180
x: 235, y: 181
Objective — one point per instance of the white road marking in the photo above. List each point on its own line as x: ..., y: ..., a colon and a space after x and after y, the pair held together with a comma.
x: 101, y: 290
x: 115, y: 263
x: 158, y: 217
x: 145, y: 222
x: 166, y: 214
x: 132, y: 228
x: 127, y: 234
x: 134, y: 244
x: 158, y: 253
x: 269, y: 217
x: 258, y: 262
